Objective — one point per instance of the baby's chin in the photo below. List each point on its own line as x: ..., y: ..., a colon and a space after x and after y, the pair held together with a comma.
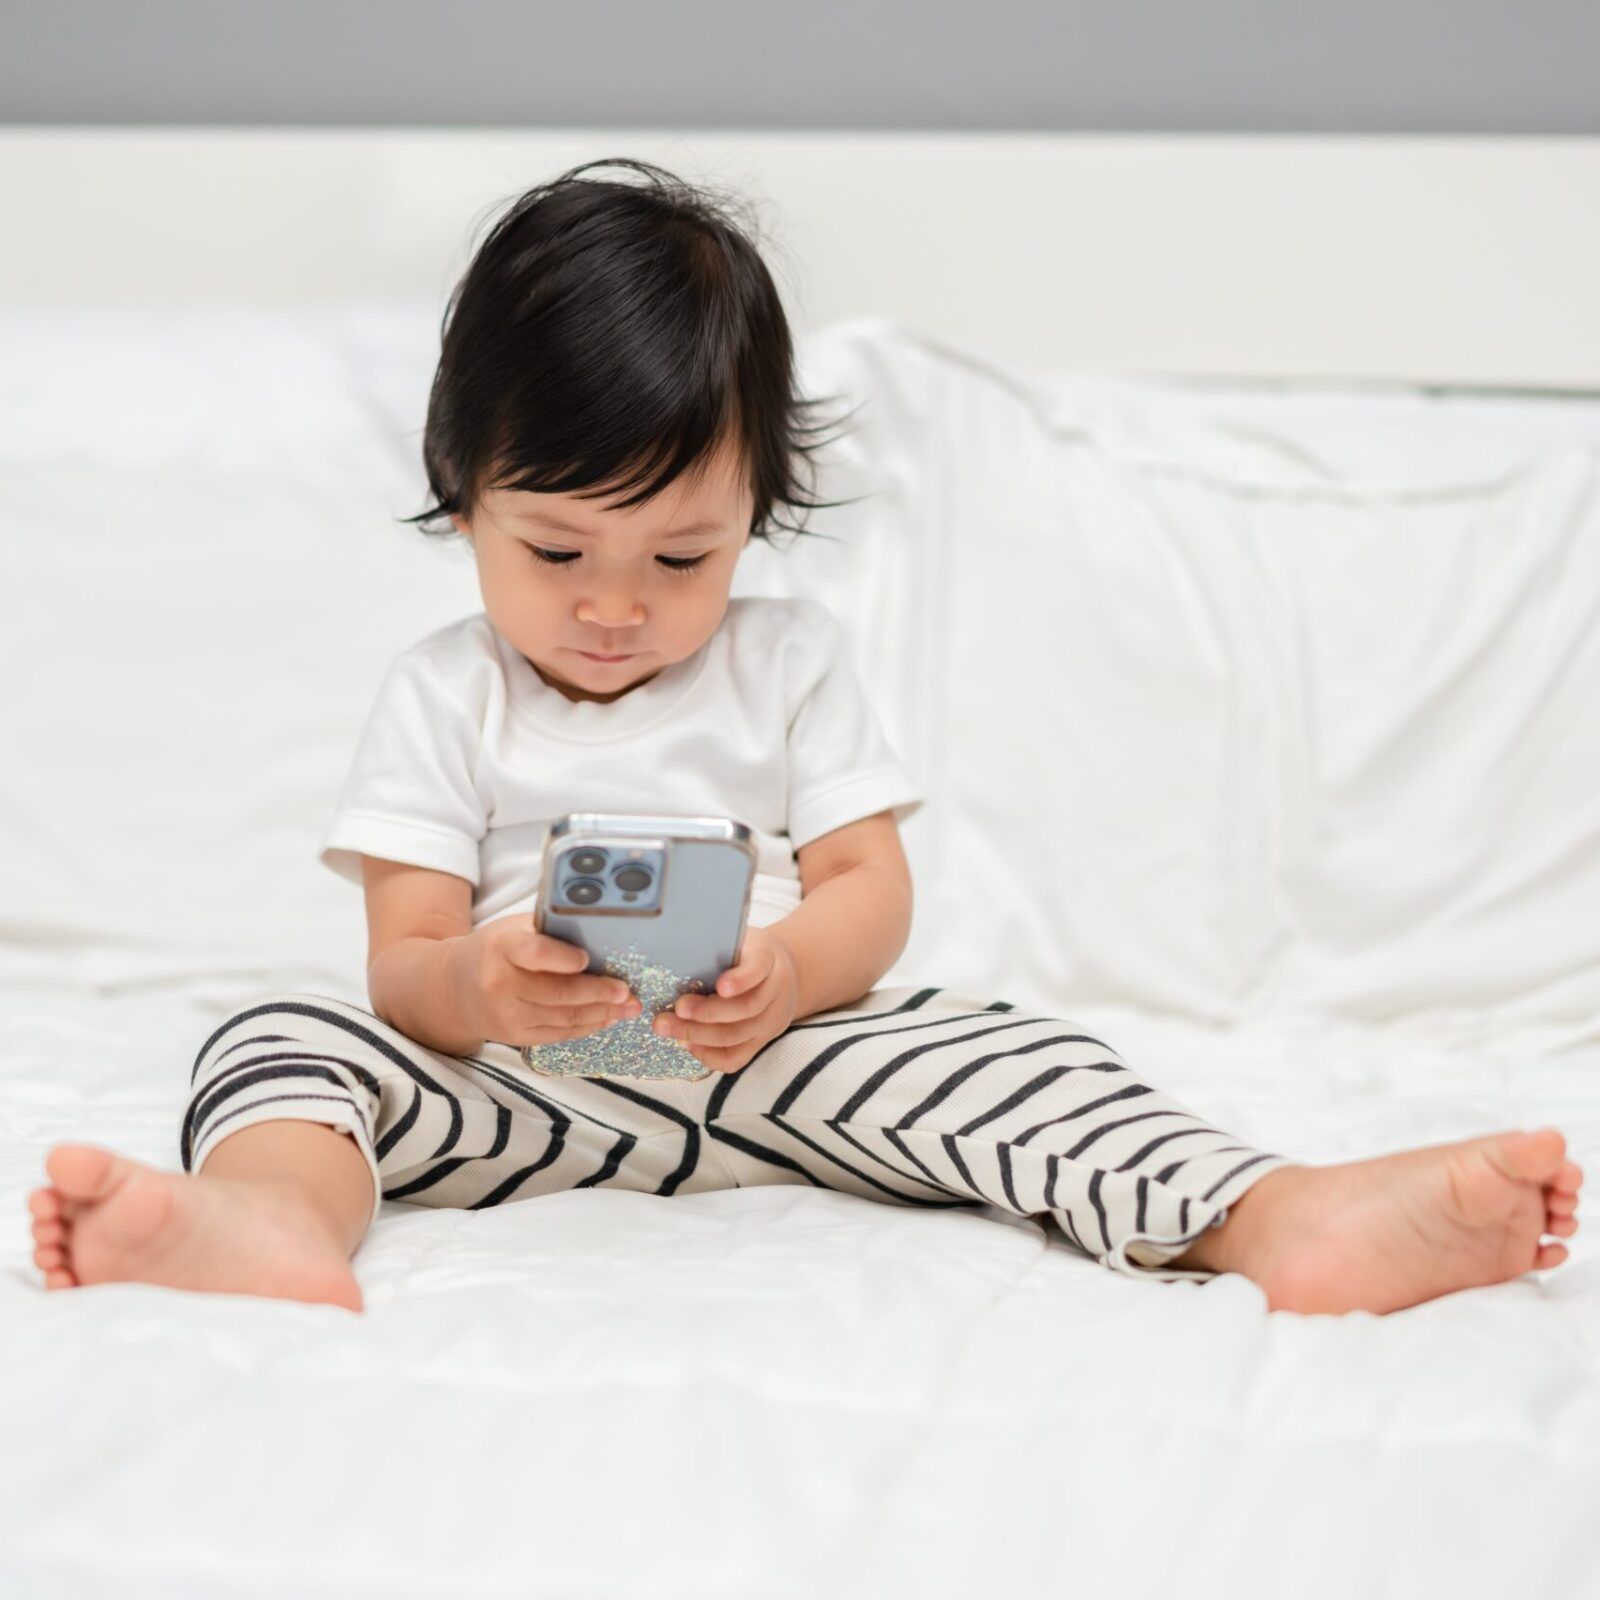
x: 595, y: 680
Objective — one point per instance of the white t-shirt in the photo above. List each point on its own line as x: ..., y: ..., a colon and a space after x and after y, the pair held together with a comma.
x: 468, y: 754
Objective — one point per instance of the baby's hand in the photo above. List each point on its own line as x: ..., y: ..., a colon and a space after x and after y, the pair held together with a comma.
x: 511, y: 983
x: 755, y: 1001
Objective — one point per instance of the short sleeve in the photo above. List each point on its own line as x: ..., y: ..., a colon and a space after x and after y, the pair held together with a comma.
x: 841, y: 765
x: 410, y: 794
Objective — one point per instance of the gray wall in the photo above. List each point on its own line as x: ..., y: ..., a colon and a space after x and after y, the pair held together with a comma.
x: 1312, y: 66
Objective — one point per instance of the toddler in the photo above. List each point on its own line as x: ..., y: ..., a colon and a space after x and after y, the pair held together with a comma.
x: 612, y: 419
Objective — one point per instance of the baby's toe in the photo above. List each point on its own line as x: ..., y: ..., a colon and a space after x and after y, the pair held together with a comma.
x: 1521, y: 1155
x: 45, y: 1203
x: 49, y: 1232
x: 47, y: 1256
x: 60, y: 1278
x: 1561, y: 1225
x: 1540, y: 1153
x: 81, y: 1171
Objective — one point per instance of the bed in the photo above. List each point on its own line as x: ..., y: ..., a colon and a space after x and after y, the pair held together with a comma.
x: 1243, y: 624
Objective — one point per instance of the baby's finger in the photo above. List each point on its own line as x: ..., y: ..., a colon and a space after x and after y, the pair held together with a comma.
x: 541, y: 952
x: 713, y: 1008
x: 717, y: 1034
x: 752, y: 970
x: 540, y: 1015
x: 572, y: 989
x: 729, y: 1060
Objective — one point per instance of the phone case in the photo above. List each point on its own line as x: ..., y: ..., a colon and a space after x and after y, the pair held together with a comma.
x: 675, y: 934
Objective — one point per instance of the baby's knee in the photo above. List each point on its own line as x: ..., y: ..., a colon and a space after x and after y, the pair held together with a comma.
x: 287, y: 1055
x: 298, y: 1003
x: 292, y: 1035
x: 284, y: 1017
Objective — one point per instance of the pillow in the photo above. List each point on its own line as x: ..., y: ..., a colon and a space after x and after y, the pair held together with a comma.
x: 1236, y: 702
x: 204, y: 589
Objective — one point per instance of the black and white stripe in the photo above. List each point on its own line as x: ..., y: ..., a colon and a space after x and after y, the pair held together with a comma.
x: 912, y: 1096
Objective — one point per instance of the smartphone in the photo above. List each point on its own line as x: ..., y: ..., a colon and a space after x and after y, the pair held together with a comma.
x: 658, y: 901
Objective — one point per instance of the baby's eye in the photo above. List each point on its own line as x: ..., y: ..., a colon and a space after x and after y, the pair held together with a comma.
x: 680, y: 563
x: 557, y: 558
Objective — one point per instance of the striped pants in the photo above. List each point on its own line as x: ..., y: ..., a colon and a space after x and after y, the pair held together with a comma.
x: 912, y: 1096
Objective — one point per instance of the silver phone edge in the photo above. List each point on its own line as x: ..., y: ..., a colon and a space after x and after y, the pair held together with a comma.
x: 686, y: 826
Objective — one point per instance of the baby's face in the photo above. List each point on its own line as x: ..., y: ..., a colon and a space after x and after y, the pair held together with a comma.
x: 611, y: 582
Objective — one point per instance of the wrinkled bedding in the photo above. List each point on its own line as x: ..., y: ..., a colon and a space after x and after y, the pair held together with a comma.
x: 784, y: 1391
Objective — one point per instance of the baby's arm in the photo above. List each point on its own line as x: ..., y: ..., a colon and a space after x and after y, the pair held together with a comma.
x: 854, y: 916
x: 852, y: 922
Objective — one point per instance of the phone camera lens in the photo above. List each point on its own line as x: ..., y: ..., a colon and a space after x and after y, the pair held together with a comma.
x: 587, y: 861
x: 631, y: 878
x: 584, y: 891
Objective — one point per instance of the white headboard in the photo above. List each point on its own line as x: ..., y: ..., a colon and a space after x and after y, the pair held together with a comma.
x: 1445, y: 260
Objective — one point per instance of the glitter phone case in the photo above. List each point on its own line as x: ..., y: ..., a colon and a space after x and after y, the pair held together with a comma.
x: 658, y: 901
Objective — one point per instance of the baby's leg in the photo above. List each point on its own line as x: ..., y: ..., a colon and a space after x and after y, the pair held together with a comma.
x: 326, y: 1163
x: 1396, y: 1230
x: 926, y: 1096
x: 934, y: 1097
x: 276, y: 1211
x: 301, y: 1106
x: 306, y: 1111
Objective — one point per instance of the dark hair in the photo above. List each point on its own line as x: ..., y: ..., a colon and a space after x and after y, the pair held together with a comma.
x: 610, y: 335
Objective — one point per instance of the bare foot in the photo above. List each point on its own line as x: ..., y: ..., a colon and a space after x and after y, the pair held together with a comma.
x: 108, y: 1219
x: 1391, y: 1232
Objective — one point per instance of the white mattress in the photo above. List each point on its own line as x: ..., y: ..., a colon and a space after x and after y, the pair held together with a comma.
x: 783, y: 1391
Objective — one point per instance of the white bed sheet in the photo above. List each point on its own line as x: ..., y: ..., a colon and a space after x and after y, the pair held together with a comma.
x: 785, y: 1391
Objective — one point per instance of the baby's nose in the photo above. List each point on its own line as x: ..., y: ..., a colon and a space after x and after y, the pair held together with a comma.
x: 612, y: 613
